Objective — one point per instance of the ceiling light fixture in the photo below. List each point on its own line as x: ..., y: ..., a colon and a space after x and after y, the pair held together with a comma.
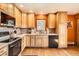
x: 21, y: 5
x: 10, y: 5
x: 30, y: 11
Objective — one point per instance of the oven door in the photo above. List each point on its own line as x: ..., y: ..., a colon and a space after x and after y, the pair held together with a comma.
x: 15, y: 48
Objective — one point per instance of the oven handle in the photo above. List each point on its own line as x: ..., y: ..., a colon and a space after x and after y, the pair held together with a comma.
x: 13, y: 45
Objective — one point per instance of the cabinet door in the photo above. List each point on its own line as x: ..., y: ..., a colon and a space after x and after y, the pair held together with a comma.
x: 11, y: 9
x: 4, y: 51
x: 28, y: 41
x: 38, y: 41
x: 62, y: 35
x: 51, y: 22
x: 33, y: 41
x: 24, y: 41
x: 22, y: 44
x: 3, y: 6
x: 17, y: 15
x: 45, y: 41
x: 24, y: 20
x: 31, y: 20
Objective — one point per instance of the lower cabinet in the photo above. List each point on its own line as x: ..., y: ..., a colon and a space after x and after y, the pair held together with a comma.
x: 33, y: 41
x: 45, y: 41
x: 28, y: 41
x: 23, y: 43
x: 4, y: 51
x: 37, y: 41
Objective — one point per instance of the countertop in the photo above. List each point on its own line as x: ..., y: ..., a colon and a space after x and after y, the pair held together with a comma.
x: 21, y: 35
x: 34, y: 34
x: 6, y: 44
x: 3, y: 45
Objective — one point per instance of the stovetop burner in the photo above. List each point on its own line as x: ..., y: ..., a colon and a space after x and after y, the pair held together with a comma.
x: 9, y: 40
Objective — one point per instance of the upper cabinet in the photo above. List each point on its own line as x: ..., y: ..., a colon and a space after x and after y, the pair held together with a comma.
x: 61, y: 18
x: 24, y: 20
x: 31, y: 20
x: 4, y: 6
x: 11, y: 9
x: 61, y: 28
x: 18, y: 17
x: 51, y: 20
x: 7, y: 8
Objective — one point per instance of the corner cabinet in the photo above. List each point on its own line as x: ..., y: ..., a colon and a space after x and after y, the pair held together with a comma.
x: 18, y: 16
x: 51, y: 20
x: 31, y: 20
x: 24, y: 20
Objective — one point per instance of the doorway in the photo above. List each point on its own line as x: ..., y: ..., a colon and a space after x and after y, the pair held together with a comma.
x: 72, y: 29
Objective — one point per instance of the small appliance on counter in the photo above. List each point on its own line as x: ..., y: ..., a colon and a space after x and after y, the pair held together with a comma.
x: 29, y: 30
x: 33, y: 31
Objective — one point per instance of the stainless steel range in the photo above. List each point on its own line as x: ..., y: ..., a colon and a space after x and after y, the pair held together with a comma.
x: 15, y: 47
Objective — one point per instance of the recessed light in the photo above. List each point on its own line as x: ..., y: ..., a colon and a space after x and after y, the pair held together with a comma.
x: 10, y: 5
x: 41, y: 12
x: 31, y: 11
x: 21, y: 5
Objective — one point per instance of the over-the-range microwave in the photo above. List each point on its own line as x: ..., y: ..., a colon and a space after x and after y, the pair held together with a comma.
x: 6, y: 20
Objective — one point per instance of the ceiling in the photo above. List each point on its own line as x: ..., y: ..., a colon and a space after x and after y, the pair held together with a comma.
x: 44, y: 8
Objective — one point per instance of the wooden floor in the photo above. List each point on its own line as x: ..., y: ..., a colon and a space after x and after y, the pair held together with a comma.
x: 72, y: 51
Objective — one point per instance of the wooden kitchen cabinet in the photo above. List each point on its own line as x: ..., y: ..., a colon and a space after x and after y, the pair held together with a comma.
x: 31, y: 20
x: 51, y: 20
x: 61, y: 28
x: 18, y: 17
x: 28, y: 41
x: 24, y: 20
x: 33, y: 41
x: 11, y: 9
x: 41, y: 41
x: 4, y: 6
x: 23, y: 43
x: 45, y: 41
x: 4, y: 51
x: 61, y: 18
x: 38, y: 41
